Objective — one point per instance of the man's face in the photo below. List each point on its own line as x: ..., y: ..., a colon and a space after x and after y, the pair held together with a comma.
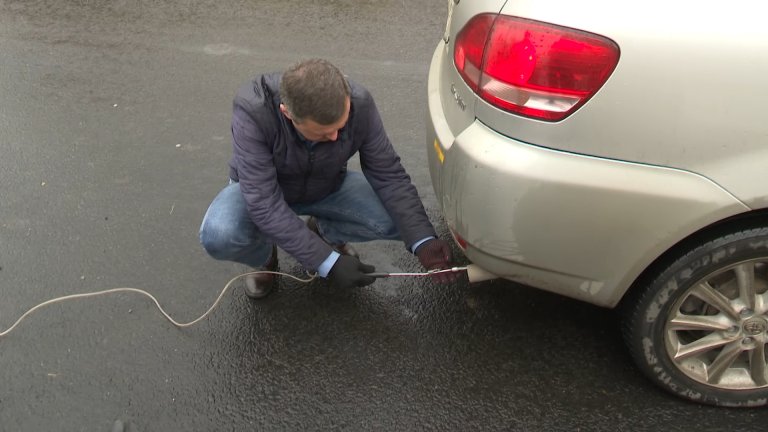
x: 313, y: 131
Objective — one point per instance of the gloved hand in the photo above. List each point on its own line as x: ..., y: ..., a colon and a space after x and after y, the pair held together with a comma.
x: 349, y: 272
x: 436, y: 254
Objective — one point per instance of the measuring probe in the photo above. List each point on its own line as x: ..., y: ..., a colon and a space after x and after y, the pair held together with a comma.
x: 428, y: 273
x: 474, y: 273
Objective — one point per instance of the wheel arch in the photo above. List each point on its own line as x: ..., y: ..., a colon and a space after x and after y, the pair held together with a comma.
x: 752, y: 219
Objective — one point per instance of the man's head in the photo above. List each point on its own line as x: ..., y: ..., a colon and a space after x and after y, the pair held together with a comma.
x: 315, y: 97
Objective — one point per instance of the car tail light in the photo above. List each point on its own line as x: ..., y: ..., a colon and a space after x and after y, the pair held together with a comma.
x: 531, y: 68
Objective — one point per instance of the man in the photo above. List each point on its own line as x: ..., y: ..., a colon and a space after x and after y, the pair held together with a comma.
x: 292, y: 135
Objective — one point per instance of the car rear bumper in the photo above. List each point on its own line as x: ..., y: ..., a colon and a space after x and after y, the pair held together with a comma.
x: 577, y: 225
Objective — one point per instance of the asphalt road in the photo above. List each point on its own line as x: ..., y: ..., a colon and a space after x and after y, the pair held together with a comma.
x: 114, y: 120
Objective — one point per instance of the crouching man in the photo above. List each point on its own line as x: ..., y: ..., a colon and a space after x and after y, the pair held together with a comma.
x: 292, y: 135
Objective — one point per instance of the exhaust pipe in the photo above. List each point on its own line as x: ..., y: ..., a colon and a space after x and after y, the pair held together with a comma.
x: 476, y: 273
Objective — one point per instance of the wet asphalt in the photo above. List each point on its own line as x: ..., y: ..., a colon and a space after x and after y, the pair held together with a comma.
x: 114, y: 120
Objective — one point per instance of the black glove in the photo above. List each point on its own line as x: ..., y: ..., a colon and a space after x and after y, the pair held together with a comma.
x: 349, y: 272
x: 436, y: 254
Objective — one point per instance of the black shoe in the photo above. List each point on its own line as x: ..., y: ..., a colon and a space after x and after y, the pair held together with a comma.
x: 260, y: 285
x: 342, y: 248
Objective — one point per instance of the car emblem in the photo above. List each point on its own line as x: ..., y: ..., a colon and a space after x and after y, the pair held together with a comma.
x: 458, y: 98
x: 755, y: 326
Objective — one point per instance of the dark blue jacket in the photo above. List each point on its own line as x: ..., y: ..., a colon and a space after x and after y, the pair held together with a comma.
x: 275, y: 168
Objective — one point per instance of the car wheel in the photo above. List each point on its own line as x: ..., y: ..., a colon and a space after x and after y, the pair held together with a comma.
x: 700, y: 328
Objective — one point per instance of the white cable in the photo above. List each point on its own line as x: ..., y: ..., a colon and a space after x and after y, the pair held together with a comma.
x: 210, y: 309
x: 142, y: 292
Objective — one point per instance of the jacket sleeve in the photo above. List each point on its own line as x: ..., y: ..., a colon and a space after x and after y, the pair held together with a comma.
x: 270, y: 213
x: 383, y: 170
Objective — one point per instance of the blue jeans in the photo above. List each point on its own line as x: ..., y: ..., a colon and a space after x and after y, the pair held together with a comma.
x: 354, y: 213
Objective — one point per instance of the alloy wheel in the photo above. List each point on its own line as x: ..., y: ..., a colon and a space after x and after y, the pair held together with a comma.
x: 717, y: 332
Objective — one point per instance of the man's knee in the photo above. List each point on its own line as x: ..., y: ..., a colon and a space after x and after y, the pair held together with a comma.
x: 388, y: 230
x: 216, y: 240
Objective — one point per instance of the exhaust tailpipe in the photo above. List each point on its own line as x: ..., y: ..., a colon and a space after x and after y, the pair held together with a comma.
x: 476, y: 273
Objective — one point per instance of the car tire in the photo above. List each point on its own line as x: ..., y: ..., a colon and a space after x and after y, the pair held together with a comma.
x: 699, y: 328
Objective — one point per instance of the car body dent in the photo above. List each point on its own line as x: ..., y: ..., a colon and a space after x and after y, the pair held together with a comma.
x: 561, y: 212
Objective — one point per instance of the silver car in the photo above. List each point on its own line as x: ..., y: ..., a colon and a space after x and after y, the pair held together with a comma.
x: 617, y: 154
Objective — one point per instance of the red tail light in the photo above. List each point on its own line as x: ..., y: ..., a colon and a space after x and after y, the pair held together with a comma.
x: 531, y: 68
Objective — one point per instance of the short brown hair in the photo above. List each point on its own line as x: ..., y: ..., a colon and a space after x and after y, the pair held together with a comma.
x: 314, y: 89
